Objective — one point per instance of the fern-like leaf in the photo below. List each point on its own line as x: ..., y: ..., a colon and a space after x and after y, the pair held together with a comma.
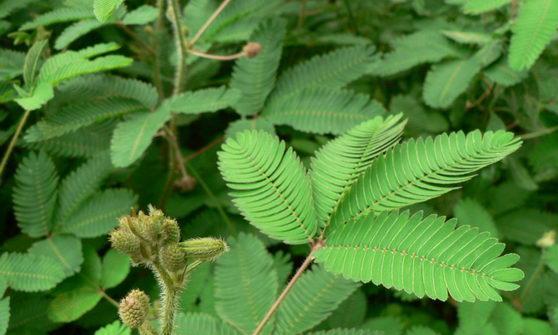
x: 322, y: 110
x: 199, y: 323
x: 483, y: 6
x: 254, y: 77
x: 132, y: 137
x: 269, y: 185
x: 344, y: 332
x: 339, y: 163
x: 426, y: 46
x: 333, y: 70
x: 64, y: 14
x: 75, y: 31
x: 99, y: 214
x: 245, y: 283
x: 64, y: 249
x: 81, y: 184
x: 445, y: 82
x: 423, y: 256
x: 104, y: 9
x: 30, y: 273
x: 35, y: 194
x: 419, y: 170
x: 79, y: 115
x: 115, y: 328
x: 313, y: 298
x: 4, y: 314
x: 141, y: 15
x: 203, y: 101
x: 534, y: 28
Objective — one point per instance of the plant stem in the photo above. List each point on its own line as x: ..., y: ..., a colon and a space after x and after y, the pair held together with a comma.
x: 169, y: 296
x: 179, y: 45
x: 13, y: 142
x: 309, y: 259
x: 158, y: 29
x: 173, y: 141
x: 146, y: 329
x: 207, y: 23
x: 216, y: 57
x: 539, y: 133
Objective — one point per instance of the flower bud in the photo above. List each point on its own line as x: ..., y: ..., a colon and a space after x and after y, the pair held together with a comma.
x: 124, y: 241
x: 185, y: 184
x: 252, y: 49
x: 134, y: 308
x: 170, y: 232
x: 204, y: 249
x: 173, y: 257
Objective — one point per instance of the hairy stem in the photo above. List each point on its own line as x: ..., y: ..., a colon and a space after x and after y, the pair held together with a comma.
x: 169, y: 296
x: 179, y: 41
x: 146, y: 329
x: 309, y: 259
x: 208, y: 23
x: 13, y: 142
x: 180, y: 163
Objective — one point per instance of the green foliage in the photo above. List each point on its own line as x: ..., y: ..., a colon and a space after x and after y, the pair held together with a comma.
x: 104, y: 9
x: 29, y: 272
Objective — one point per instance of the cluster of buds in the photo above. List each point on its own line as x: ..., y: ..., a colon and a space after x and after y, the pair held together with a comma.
x: 134, y: 309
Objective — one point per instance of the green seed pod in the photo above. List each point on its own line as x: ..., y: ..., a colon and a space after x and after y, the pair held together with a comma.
x: 170, y: 232
x: 124, y: 241
x: 173, y: 258
x: 134, y: 308
x: 204, y: 249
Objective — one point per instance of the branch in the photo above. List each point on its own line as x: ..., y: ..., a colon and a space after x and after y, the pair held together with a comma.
x: 207, y: 23
x: 174, y: 18
x: 309, y: 259
x: 13, y: 142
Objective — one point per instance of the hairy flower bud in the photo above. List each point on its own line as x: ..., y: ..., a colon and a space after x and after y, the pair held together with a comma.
x: 173, y: 257
x: 134, y: 308
x: 170, y: 232
x: 125, y: 241
x: 252, y: 49
x: 204, y: 249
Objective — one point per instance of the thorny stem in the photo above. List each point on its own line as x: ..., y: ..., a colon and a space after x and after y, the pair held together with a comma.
x: 208, y: 23
x: 13, y: 142
x: 179, y: 42
x: 309, y: 259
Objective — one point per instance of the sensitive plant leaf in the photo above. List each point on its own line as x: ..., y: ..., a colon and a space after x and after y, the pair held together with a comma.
x: 35, y: 194
x: 550, y: 257
x: 99, y: 214
x: 313, y: 298
x: 116, y: 267
x: 333, y: 70
x: 12, y: 64
x: 422, y: 169
x: 72, y: 304
x: 245, y: 283
x: 81, y: 184
x: 255, y: 77
x: 423, y: 256
x: 32, y: 60
x: 269, y: 185
x: 427, y: 46
x: 40, y: 95
x: 471, y: 213
x: 115, y: 328
x: 204, y: 101
x: 132, y: 137
x: 141, y: 15
x: 536, y: 24
x: 419, y: 119
x: 259, y: 123
x: 75, y: 31
x: 64, y: 249
x: 385, y: 324
x: 29, y: 272
x: 513, y: 225
x: 79, y: 115
x: 445, y: 82
x: 64, y: 14
x: 201, y: 323
x: 339, y: 163
x: 483, y: 6
x: 502, y: 74
x: 468, y: 37
x: 4, y: 315
x: 104, y: 9
x: 322, y: 110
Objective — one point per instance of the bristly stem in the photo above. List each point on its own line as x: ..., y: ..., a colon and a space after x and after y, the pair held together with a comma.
x: 179, y: 41
x: 208, y: 23
x: 13, y: 142
x: 169, y: 297
x: 309, y: 259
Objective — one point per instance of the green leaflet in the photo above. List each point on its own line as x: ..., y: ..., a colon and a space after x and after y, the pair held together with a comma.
x: 471, y: 213
x: 199, y: 323
x: 269, y: 185
x: 64, y: 249
x: 255, y: 77
x: 75, y: 31
x: 313, y: 298
x: 203, y: 101
x: 424, y: 256
x: 422, y: 169
x: 35, y: 194
x: 115, y: 268
x: 322, y: 110
x: 141, y: 15
x: 339, y: 163
x: 446, y: 81
x: 115, y: 328
x: 533, y: 29
x: 104, y: 9
x: 63, y: 14
x: 132, y: 137
x: 245, y: 283
x: 29, y: 272
x: 482, y: 6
